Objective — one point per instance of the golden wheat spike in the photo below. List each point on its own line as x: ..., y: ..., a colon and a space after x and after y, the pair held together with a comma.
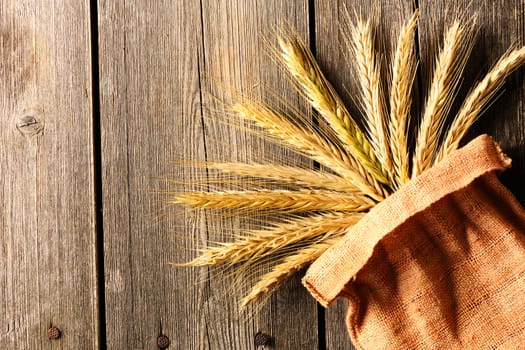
x: 256, y: 244
x: 290, y: 265
x: 284, y: 200
x: 445, y: 81
x: 288, y: 175
x: 309, y: 142
x: 360, y: 42
x: 311, y: 82
x: 478, y: 98
x: 403, y: 74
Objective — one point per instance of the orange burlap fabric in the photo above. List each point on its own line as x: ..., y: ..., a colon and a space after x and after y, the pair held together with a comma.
x: 440, y: 264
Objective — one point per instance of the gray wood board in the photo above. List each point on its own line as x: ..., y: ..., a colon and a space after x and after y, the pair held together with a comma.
x: 150, y: 115
x: 48, y: 249
x: 155, y: 59
x: 235, y: 59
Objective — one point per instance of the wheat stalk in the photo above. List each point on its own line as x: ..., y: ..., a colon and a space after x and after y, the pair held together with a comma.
x: 288, y: 175
x: 478, y: 98
x: 289, y: 201
x: 290, y: 265
x: 308, y: 141
x: 301, y: 65
x: 360, y: 42
x: 445, y: 81
x: 403, y: 74
x: 256, y: 244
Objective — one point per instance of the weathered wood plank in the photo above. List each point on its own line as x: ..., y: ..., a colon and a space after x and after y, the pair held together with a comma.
x: 336, y: 62
x: 47, y: 254
x: 235, y: 58
x: 150, y: 57
x: 149, y: 78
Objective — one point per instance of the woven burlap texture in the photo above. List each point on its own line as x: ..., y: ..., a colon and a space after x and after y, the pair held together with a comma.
x: 440, y: 264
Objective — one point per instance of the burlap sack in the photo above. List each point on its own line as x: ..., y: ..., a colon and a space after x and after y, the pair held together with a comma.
x: 440, y: 264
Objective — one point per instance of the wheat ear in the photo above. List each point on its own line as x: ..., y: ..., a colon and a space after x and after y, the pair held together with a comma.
x: 289, y: 201
x: 301, y: 65
x: 290, y: 265
x: 478, y: 98
x: 403, y: 74
x: 256, y: 244
x: 307, y: 141
x: 360, y: 42
x: 287, y: 175
x: 445, y: 81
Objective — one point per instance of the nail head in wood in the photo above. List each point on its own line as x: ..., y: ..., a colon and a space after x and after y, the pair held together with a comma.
x: 163, y: 341
x: 53, y: 333
x: 262, y: 339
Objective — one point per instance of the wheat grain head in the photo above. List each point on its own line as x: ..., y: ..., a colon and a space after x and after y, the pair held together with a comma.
x: 290, y: 265
x: 301, y: 65
x: 450, y: 63
x: 403, y: 73
x: 283, y: 200
x: 308, y: 141
x: 478, y: 98
x: 361, y: 43
x: 288, y: 175
x: 255, y: 244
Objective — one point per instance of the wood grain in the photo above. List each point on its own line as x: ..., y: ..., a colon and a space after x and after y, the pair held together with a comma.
x: 155, y: 58
x: 235, y: 59
x: 47, y: 254
x: 150, y: 116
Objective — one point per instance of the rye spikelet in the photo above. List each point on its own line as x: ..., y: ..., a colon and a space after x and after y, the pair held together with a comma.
x: 283, y: 200
x: 403, y: 74
x: 255, y: 244
x: 360, y: 42
x: 289, y: 266
x: 301, y: 65
x: 445, y: 81
x: 478, y: 98
x: 307, y: 141
x: 288, y: 175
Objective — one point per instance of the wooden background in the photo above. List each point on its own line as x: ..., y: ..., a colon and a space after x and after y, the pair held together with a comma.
x: 99, y: 97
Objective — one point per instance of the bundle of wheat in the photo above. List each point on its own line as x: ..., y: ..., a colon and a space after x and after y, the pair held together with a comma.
x: 364, y: 166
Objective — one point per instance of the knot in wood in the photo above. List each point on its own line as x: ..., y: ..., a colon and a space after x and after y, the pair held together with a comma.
x: 53, y: 333
x: 163, y: 341
x: 29, y: 125
x: 262, y: 339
